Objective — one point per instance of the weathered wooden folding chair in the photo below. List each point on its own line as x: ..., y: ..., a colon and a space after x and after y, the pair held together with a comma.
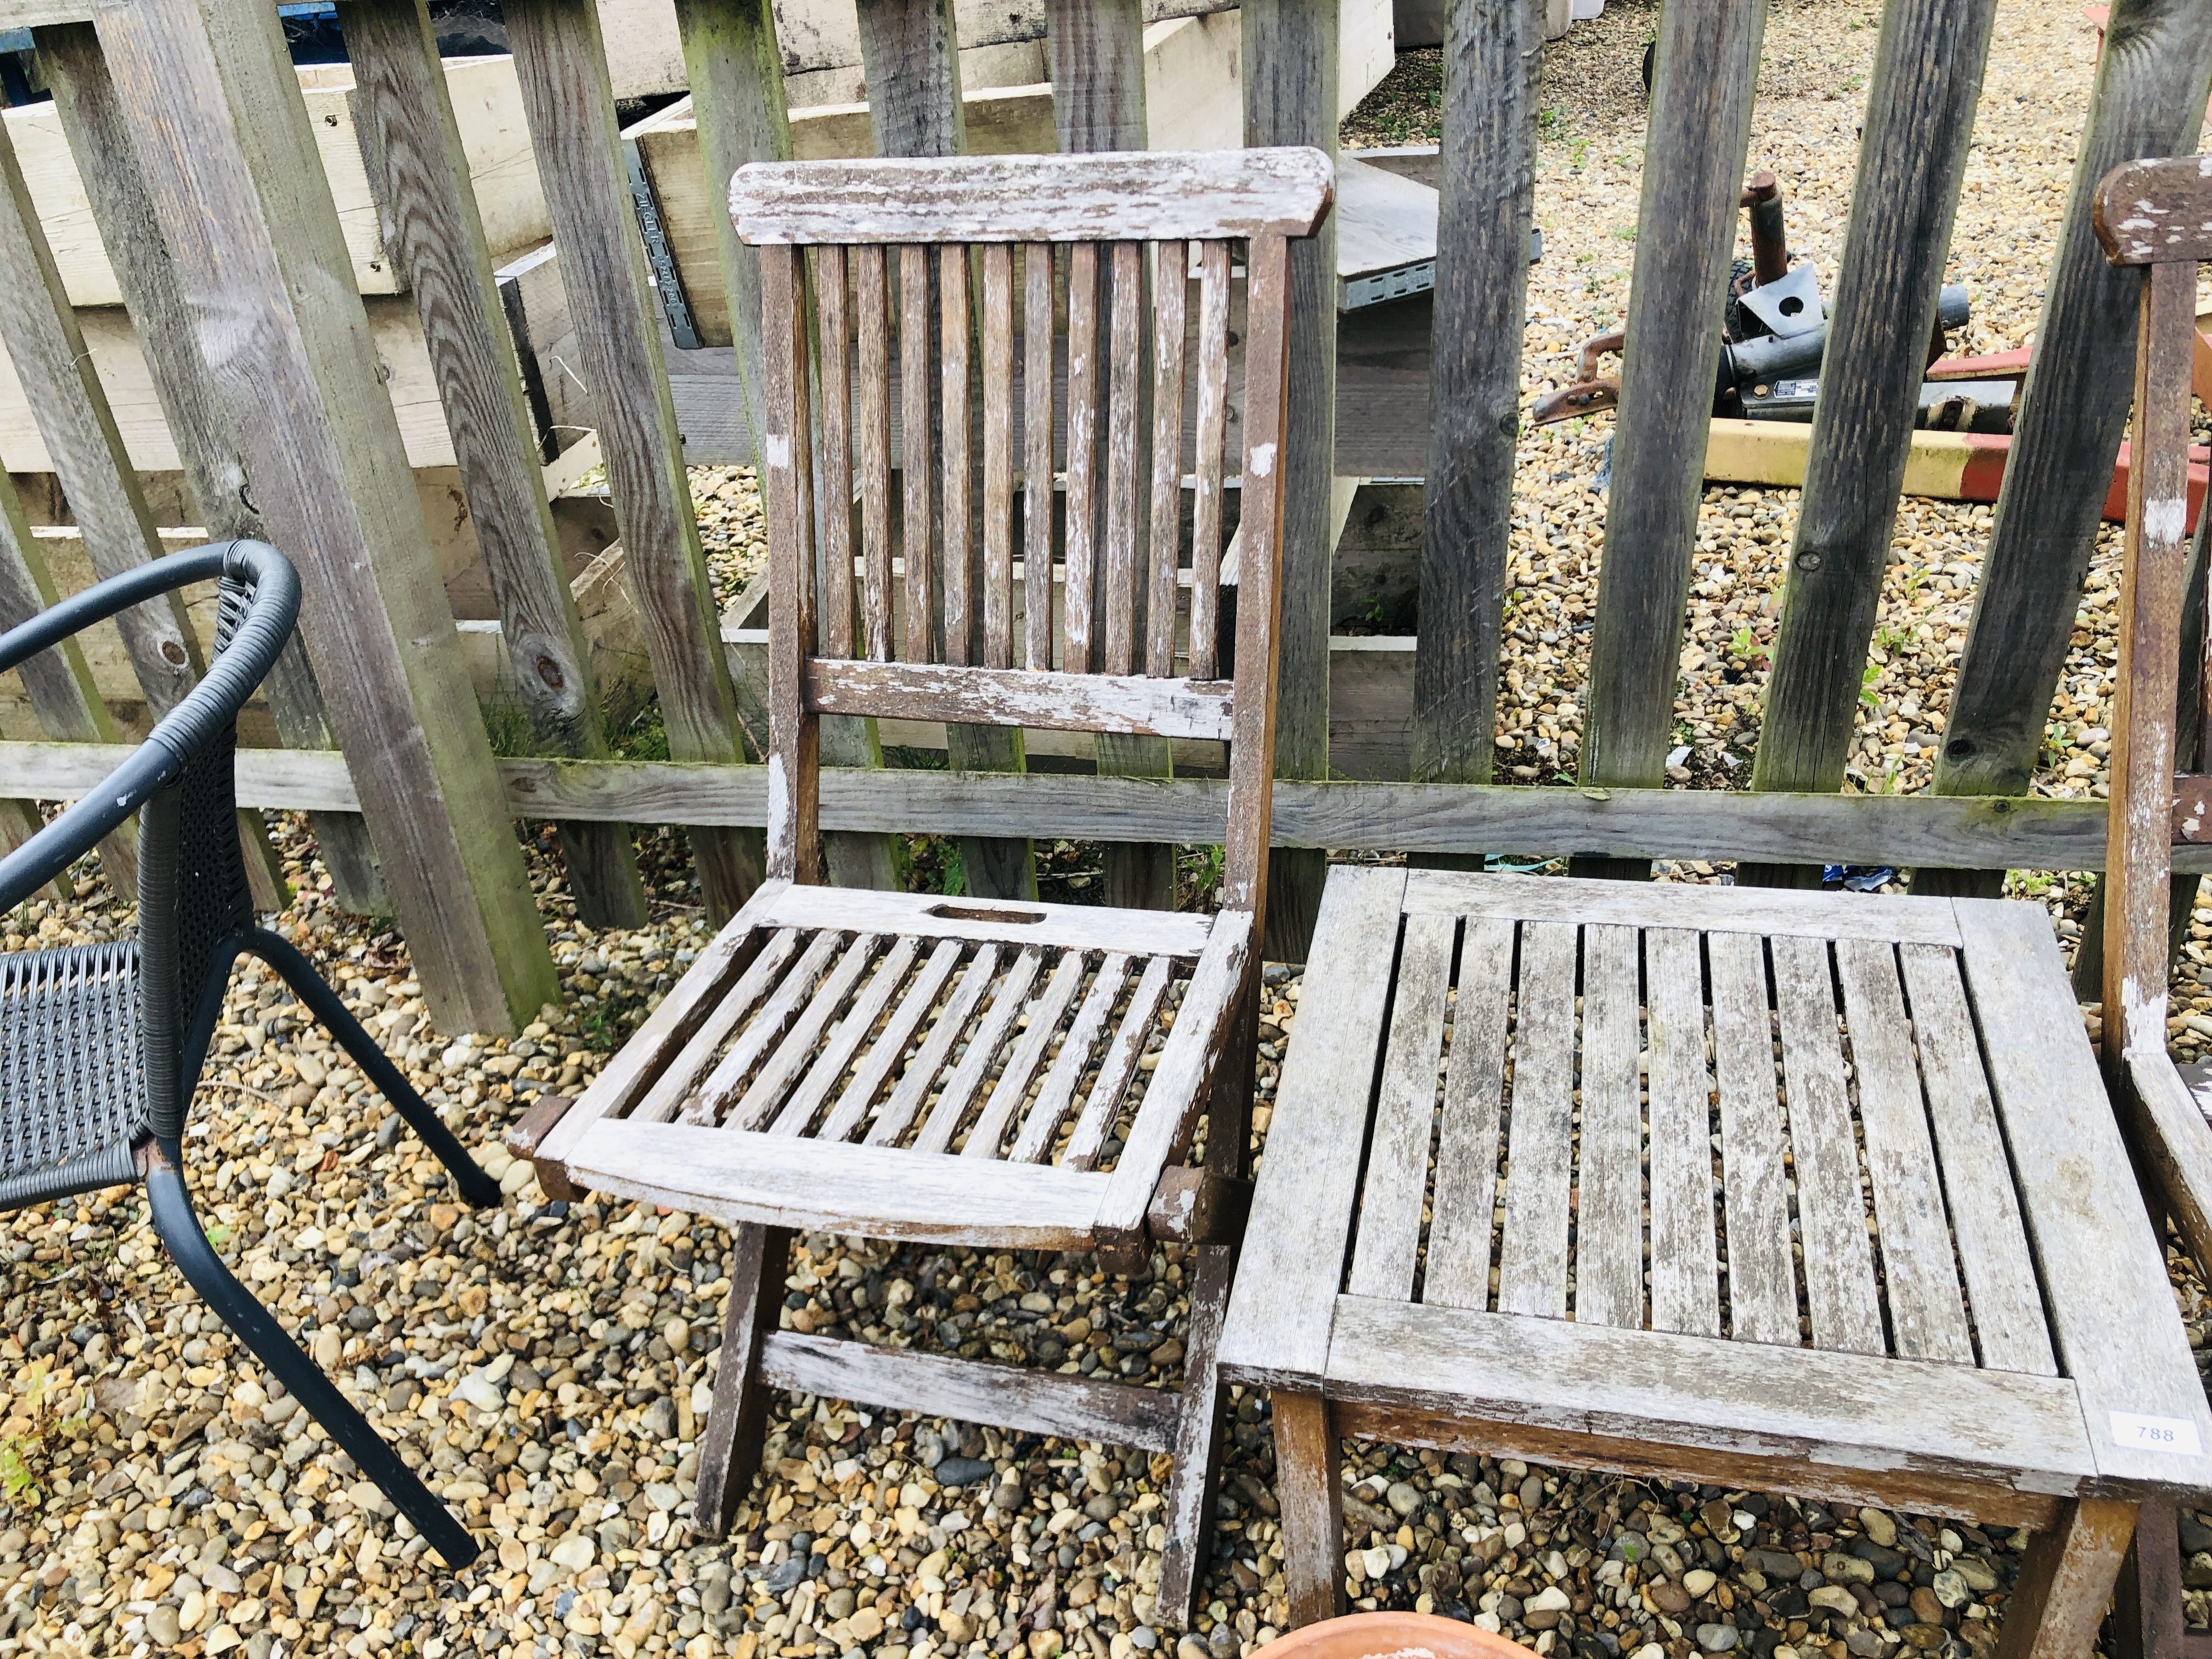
x: 1929, y: 1282
x: 972, y: 1073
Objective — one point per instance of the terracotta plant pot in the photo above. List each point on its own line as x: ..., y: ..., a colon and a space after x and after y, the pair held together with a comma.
x: 1394, y: 1636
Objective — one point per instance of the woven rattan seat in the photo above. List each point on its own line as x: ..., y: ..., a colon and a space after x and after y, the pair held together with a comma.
x: 73, y: 1098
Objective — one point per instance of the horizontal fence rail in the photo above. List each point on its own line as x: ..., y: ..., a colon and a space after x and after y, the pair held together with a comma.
x: 1960, y: 832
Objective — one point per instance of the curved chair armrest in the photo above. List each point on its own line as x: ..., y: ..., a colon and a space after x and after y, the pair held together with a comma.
x: 208, y: 707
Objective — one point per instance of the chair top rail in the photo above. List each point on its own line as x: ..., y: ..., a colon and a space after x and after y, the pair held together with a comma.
x: 1095, y: 197
x: 2157, y: 212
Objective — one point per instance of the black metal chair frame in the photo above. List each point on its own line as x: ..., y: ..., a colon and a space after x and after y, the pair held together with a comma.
x: 101, y: 1047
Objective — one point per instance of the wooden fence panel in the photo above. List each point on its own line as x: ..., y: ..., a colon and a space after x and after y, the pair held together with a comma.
x: 223, y: 133
x: 1694, y: 161
x: 563, y: 66
x: 1912, y: 160
x: 1289, y: 69
x: 2149, y: 101
x: 1487, y: 189
x: 436, y: 231
x: 99, y: 134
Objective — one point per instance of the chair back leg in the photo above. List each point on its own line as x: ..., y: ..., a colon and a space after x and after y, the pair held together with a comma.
x: 187, y: 1244
x: 477, y: 1187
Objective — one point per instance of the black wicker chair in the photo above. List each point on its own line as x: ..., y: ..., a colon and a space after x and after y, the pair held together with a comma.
x: 100, y: 1046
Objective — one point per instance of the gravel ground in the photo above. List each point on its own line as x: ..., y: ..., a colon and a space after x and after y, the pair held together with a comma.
x: 548, y: 1365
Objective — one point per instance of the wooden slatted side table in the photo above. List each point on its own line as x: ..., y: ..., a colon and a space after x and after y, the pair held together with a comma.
x: 1805, y: 1193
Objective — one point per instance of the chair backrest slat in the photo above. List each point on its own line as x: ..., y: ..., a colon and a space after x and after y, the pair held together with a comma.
x: 1133, y: 226
x: 1170, y: 295
x: 1125, y: 354
x: 829, y: 291
x: 915, y: 459
x: 998, y: 456
x: 1078, y: 594
x: 956, y: 522
x: 1037, y: 455
x: 873, y: 342
x: 1212, y: 435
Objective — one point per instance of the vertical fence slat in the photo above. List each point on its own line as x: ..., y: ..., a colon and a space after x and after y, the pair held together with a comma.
x: 1693, y: 159
x: 1037, y: 455
x: 1485, y: 204
x: 58, y: 683
x: 1912, y: 160
x: 910, y: 54
x: 563, y: 68
x: 245, y: 206
x: 1290, y: 71
x: 1094, y: 51
x: 70, y: 407
x: 736, y: 76
x: 2149, y: 101
x: 433, y: 228
x: 99, y: 134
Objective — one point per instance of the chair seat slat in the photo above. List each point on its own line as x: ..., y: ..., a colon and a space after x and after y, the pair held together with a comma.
x: 989, y: 1033
x: 1058, y: 1092
x: 804, y: 1039
x: 914, y: 1084
x: 1013, y: 1085
x: 765, y: 1028
x: 1088, y: 1139
x: 835, y: 1059
x: 673, y: 1086
x: 1762, y: 1278
x: 882, y: 1057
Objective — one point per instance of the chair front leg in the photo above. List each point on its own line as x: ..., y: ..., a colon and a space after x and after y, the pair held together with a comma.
x: 2066, y: 1580
x: 737, y: 1422
x: 1198, y: 1442
x: 479, y: 1189
x: 180, y: 1231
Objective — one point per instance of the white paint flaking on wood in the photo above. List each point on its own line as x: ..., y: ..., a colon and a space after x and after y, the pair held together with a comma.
x: 1263, y: 460
x: 2165, y: 520
x: 778, y: 450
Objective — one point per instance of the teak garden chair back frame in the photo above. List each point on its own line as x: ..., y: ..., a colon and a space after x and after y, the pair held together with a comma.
x: 992, y: 1073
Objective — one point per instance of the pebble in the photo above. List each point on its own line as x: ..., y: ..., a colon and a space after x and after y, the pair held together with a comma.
x: 1716, y: 1638
x: 1699, y: 1581
x: 1879, y: 1527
